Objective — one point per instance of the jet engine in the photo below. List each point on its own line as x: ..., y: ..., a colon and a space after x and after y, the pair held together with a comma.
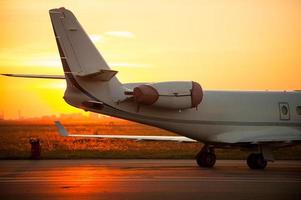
x: 171, y: 95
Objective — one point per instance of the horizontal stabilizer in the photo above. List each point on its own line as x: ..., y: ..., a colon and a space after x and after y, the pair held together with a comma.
x: 36, y: 76
x: 64, y: 132
x: 102, y: 75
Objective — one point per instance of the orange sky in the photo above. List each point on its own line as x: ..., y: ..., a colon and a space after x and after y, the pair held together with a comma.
x: 222, y: 44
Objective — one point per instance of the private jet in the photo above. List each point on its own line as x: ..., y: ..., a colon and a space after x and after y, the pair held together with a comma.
x: 256, y: 121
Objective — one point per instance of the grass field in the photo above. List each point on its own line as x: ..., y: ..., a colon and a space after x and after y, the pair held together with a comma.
x: 14, y: 142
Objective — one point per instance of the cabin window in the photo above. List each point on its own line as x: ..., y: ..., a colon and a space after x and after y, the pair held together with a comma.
x: 298, y: 110
x: 284, y: 110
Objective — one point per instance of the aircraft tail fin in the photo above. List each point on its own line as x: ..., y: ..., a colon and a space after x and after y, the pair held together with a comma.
x: 74, y: 44
x: 84, y: 67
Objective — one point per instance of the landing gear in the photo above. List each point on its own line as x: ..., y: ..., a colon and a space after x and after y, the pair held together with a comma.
x: 256, y: 161
x: 206, y: 157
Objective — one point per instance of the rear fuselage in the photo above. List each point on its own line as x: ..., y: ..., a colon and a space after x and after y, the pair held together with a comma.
x: 236, y: 112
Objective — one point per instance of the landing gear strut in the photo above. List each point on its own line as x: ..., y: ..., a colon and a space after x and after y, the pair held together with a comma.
x: 256, y: 161
x: 206, y: 157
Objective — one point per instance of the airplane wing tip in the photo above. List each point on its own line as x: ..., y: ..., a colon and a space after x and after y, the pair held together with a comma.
x: 61, y: 129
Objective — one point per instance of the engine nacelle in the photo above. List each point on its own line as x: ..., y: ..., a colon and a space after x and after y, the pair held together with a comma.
x: 171, y: 95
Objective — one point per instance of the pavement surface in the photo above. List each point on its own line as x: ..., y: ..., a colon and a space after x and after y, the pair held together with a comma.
x: 147, y: 179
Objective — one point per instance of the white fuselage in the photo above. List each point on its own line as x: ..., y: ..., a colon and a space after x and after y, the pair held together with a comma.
x: 222, y: 117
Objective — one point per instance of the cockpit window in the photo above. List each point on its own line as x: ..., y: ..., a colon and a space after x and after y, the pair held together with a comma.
x: 298, y: 110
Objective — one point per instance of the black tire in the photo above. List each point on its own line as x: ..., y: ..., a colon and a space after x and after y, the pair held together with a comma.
x: 251, y: 161
x: 256, y: 161
x: 206, y: 159
x: 261, y: 162
x: 199, y: 160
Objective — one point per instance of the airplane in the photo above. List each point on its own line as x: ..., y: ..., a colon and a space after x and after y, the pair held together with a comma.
x: 256, y: 121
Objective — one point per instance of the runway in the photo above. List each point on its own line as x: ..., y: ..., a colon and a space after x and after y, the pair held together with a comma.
x: 147, y: 179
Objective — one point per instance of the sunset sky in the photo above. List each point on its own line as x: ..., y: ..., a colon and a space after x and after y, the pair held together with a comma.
x: 222, y: 44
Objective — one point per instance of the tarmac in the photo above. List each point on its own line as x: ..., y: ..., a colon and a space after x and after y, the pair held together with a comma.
x: 147, y: 179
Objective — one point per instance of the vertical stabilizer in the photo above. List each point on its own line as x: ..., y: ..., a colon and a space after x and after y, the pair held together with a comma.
x: 84, y: 67
x: 75, y: 44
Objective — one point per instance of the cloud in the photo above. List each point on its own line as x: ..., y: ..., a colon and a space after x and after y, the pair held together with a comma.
x: 124, y: 34
x: 21, y: 58
x: 129, y: 65
x: 96, y: 38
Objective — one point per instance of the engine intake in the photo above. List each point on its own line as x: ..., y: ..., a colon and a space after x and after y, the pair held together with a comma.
x: 145, y: 94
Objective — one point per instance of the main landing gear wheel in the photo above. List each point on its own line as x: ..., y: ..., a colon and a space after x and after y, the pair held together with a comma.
x: 256, y: 161
x: 206, y: 158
